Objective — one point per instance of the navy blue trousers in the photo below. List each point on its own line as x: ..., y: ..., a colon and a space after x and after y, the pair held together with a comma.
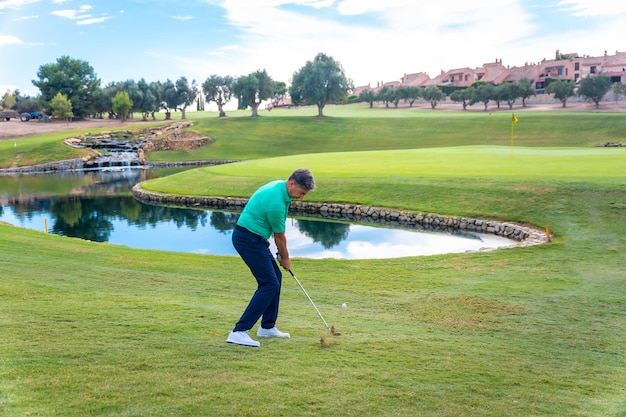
x: 255, y: 252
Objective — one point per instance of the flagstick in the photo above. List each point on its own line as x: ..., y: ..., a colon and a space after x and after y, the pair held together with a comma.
x: 513, y: 121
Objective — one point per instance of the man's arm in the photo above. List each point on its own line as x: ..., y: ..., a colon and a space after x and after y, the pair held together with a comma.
x: 281, y: 244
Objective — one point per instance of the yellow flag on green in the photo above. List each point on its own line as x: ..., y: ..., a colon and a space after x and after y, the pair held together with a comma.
x: 515, y: 120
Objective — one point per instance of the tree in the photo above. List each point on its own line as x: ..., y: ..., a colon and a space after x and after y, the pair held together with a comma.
x: 461, y: 96
x: 103, y: 99
x: 482, y: 93
x: 398, y: 94
x: 148, y: 103
x: 200, y: 101
x: 101, y: 103
x: 27, y: 104
x: 561, y: 89
x: 61, y: 107
x: 178, y: 96
x: 74, y: 79
x: 618, y: 89
x: 8, y: 100
x: 509, y: 93
x: 280, y: 91
x: 368, y: 96
x: 122, y: 104
x: 433, y: 95
x: 411, y: 93
x: 385, y: 94
x: 525, y: 89
x: 219, y: 90
x: 167, y: 90
x: 253, y: 88
x: 594, y: 88
x: 134, y: 94
x: 320, y: 82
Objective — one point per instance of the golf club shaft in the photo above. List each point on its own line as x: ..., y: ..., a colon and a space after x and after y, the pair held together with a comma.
x: 307, y: 296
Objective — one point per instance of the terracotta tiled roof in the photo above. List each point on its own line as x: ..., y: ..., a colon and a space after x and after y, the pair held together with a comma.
x: 493, y: 72
x: 517, y: 73
x: 414, y: 80
x: 438, y: 80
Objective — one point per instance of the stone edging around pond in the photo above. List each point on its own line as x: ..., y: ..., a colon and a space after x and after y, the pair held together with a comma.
x: 524, y: 235
x: 79, y: 165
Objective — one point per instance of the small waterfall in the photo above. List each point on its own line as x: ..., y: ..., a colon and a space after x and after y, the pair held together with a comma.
x: 114, y: 154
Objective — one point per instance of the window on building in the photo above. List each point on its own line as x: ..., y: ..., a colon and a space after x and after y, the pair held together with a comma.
x: 592, y: 69
x: 577, y: 66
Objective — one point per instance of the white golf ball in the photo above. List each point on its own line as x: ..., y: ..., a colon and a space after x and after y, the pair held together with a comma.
x: 344, y: 306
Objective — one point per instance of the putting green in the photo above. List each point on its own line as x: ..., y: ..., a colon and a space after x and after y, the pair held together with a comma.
x: 467, y: 161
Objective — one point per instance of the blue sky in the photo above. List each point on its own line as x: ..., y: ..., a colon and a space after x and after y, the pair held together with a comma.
x: 374, y: 40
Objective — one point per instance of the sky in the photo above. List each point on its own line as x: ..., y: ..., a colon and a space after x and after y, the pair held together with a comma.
x: 374, y: 40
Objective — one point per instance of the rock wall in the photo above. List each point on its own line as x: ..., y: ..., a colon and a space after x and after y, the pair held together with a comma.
x: 525, y: 235
x: 160, y: 138
x: 68, y: 165
x: 172, y: 137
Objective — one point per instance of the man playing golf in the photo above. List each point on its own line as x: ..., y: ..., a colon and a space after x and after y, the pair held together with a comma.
x: 265, y: 215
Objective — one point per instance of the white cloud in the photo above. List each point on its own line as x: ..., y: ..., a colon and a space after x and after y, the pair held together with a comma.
x: 593, y: 7
x: 92, y: 21
x: 182, y: 18
x: 9, y: 40
x: 70, y: 14
x: 410, y: 36
x: 74, y: 14
x: 353, y: 7
x: 380, y: 41
x: 81, y: 15
x: 15, y: 4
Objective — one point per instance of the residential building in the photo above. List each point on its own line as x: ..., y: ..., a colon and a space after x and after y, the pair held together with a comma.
x: 563, y: 67
x: 613, y: 66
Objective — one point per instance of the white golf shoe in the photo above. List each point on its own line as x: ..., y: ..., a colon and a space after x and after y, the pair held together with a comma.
x: 242, y: 338
x: 273, y: 332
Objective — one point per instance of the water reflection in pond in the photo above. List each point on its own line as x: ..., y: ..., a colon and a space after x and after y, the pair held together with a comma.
x: 98, y: 206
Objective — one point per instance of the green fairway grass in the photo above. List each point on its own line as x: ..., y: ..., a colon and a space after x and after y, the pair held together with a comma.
x: 91, y: 329
x: 270, y: 136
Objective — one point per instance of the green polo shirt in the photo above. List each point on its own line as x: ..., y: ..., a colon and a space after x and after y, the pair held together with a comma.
x: 266, y: 211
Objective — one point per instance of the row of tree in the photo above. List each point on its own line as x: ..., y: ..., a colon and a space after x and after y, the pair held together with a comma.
x: 591, y: 88
x: 70, y: 88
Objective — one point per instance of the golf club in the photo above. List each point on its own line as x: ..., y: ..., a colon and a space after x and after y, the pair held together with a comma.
x: 331, y: 330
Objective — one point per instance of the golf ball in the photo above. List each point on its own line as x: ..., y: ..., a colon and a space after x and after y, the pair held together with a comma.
x: 344, y: 306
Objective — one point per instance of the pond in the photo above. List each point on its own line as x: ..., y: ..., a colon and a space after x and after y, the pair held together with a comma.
x: 98, y: 206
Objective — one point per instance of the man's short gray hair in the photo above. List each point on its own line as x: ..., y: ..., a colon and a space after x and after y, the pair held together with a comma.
x: 304, y: 178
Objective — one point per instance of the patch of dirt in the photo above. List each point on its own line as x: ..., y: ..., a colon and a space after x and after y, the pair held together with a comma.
x: 15, y: 128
